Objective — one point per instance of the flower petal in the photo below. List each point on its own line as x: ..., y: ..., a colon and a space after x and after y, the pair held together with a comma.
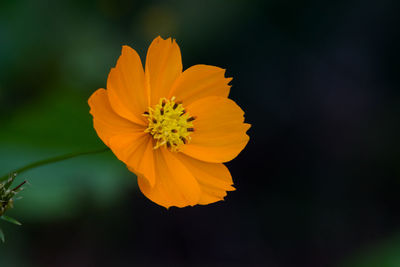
x: 175, y: 184
x: 163, y: 67
x: 219, y: 132
x: 106, y: 122
x: 126, y: 86
x: 136, y: 151
x: 200, y: 81
x: 214, y: 178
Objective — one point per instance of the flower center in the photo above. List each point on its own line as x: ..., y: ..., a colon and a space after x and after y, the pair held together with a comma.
x: 169, y: 124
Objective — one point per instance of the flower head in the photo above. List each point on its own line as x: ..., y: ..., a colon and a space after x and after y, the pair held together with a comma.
x: 7, y: 194
x: 173, y: 129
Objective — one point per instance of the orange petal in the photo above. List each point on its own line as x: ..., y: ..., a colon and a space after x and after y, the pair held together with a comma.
x: 214, y: 178
x: 219, y: 132
x: 175, y: 184
x: 136, y: 151
x: 106, y: 122
x: 163, y: 67
x: 200, y: 81
x: 126, y: 87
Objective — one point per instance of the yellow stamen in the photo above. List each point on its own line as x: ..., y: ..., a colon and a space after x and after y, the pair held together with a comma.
x: 169, y: 124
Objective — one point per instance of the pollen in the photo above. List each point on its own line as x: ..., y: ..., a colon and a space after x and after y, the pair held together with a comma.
x: 169, y: 124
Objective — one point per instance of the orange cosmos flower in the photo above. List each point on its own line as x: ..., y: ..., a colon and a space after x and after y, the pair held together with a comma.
x: 173, y: 129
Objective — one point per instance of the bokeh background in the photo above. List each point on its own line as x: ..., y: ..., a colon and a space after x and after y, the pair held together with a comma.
x: 317, y: 185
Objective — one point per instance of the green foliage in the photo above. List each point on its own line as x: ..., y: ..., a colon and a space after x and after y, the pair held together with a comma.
x: 382, y: 254
x: 10, y: 220
x: 2, y: 237
x: 60, y: 123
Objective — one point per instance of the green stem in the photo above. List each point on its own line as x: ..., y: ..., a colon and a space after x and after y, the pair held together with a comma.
x: 52, y: 160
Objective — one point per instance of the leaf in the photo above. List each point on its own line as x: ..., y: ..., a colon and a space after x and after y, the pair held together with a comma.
x: 2, y: 237
x: 10, y: 220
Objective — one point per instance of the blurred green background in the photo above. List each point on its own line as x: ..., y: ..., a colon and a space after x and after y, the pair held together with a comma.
x: 317, y: 185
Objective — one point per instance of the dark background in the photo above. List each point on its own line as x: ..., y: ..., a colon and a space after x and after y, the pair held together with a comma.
x: 317, y: 185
